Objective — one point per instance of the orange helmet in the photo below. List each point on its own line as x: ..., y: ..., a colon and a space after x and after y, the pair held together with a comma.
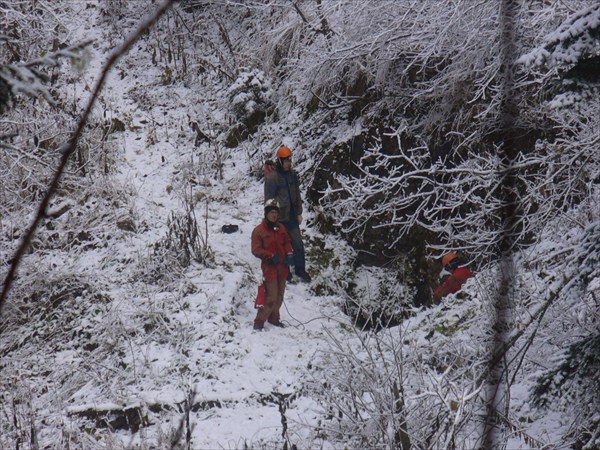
x: 448, y: 257
x: 284, y: 152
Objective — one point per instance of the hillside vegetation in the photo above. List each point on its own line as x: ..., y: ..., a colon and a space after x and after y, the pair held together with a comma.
x: 418, y: 127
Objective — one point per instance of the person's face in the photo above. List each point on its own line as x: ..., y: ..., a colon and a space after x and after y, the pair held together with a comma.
x: 273, y: 215
x: 286, y: 163
x: 453, y: 265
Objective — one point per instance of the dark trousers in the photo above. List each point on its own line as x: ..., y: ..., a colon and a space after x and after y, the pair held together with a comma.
x: 293, y: 230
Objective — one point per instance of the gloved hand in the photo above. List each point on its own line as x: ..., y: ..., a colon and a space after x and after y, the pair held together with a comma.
x: 274, y: 260
x: 299, y: 218
x: 289, y: 260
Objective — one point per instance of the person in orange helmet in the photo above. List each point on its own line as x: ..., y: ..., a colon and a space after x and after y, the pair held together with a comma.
x: 282, y: 185
x: 458, y: 274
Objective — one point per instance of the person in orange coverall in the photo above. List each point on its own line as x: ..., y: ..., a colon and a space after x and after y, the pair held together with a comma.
x: 272, y: 245
x: 457, y: 277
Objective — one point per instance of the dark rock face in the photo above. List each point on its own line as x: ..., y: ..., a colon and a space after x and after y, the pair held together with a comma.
x: 373, y: 243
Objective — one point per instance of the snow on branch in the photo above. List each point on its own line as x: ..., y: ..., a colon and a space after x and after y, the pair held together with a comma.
x: 461, y: 202
x: 29, y: 77
x: 577, y: 38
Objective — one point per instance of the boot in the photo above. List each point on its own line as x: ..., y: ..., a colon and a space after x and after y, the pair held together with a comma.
x: 277, y: 323
x: 304, y: 276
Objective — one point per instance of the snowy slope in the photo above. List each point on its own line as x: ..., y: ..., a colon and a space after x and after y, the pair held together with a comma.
x: 194, y: 333
x: 141, y: 334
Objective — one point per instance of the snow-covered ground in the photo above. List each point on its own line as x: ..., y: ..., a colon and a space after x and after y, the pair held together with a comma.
x: 188, y: 337
x: 192, y: 338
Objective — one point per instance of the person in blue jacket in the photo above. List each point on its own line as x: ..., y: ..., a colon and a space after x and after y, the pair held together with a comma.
x: 282, y: 185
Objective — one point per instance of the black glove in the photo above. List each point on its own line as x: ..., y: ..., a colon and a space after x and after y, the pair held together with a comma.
x: 274, y: 260
x: 289, y: 260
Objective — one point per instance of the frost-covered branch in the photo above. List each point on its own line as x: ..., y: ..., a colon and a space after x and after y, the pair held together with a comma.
x: 575, y: 39
x: 29, y: 77
x: 461, y: 203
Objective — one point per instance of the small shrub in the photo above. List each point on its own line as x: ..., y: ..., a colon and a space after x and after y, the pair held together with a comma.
x: 250, y: 93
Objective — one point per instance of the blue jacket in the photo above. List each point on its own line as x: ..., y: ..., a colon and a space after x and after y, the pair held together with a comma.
x: 284, y: 187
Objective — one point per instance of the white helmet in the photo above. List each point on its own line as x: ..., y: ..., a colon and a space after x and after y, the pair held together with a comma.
x: 270, y: 205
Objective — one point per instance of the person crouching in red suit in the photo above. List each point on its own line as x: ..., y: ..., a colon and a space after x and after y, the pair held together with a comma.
x: 457, y: 277
x: 271, y: 243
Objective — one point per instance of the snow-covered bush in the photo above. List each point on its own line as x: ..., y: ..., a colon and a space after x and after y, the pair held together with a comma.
x: 571, y: 379
x: 183, y: 244
x: 33, y: 131
x: 566, y: 62
x: 33, y: 53
x: 574, y: 41
x: 376, y: 298
x: 250, y: 93
x: 250, y: 97
x: 449, y: 180
x: 379, y: 390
